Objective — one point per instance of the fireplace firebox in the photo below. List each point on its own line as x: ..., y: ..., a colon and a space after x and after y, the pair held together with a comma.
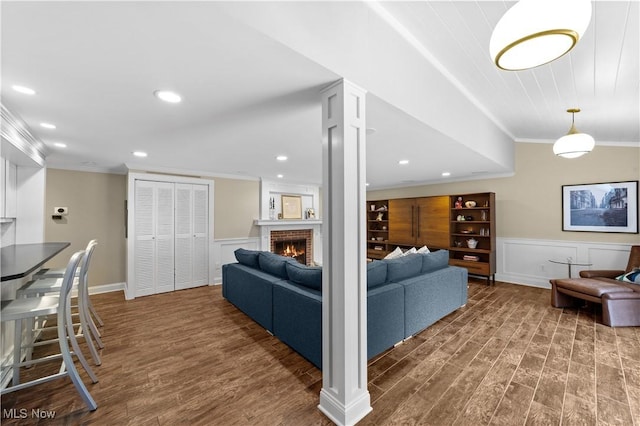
x: 297, y: 244
x: 293, y: 248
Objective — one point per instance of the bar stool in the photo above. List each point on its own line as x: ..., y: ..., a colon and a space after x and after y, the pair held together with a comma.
x: 45, y: 286
x: 58, y: 273
x: 26, y: 309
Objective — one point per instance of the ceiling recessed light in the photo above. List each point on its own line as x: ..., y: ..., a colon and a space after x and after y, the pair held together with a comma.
x: 23, y: 89
x: 139, y: 154
x: 280, y: 176
x: 367, y: 184
x: 60, y: 144
x: 403, y: 162
x: 167, y: 96
x: 446, y: 174
x: 282, y: 158
x: 48, y: 125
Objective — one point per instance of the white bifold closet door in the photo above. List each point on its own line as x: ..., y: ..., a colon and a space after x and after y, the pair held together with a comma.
x: 154, y: 237
x: 192, y: 204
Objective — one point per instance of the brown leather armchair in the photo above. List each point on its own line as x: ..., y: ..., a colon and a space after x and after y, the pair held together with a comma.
x: 620, y: 300
x: 634, y: 263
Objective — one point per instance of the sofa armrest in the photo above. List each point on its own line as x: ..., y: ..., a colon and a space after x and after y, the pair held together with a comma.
x: 623, y: 295
x: 601, y: 273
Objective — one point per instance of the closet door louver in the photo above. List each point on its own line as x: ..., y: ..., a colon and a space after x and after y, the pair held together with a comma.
x: 154, y: 231
x: 184, y: 250
x: 191, y: 235
x: 200, y: 232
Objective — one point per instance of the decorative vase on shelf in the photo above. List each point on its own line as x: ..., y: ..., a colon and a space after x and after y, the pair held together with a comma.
x: 272, y: 214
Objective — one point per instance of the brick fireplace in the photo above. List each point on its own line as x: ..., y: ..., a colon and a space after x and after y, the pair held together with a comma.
x: 291, y: 242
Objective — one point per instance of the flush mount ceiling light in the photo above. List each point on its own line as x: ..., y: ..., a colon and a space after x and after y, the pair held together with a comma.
x: 282, y: 158
x: 140, y: 154
x: 167, y: 96
x: 48, y: 125
x: 60, y: 144
x: 23, y: 89
x: 536, y: 32
x: 403, y: 162
x: 573, y: 144
x: 280, y: 176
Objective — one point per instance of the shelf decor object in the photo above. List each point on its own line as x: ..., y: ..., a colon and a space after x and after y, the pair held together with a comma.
x: 535, y: 32
x: 291, y: 207
x: 574, y: 144
x: 600, y: 207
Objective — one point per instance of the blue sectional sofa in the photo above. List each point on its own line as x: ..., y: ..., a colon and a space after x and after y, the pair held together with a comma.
x: 404, y: 296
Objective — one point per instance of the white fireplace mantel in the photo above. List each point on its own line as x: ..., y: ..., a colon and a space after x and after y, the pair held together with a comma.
x: 288, y: 224
x: 266, y: 226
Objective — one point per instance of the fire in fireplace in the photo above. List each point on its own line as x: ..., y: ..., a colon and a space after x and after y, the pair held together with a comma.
x: 292, y: 248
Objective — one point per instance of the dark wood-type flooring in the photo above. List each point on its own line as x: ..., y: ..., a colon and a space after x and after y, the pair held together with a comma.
x: 508, y: 358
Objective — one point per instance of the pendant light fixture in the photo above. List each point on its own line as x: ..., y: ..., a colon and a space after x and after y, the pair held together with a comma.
x: 573, y: 144
x: 535, y: 32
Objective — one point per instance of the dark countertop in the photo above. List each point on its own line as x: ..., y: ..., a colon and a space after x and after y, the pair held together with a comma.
x: 20, y: 260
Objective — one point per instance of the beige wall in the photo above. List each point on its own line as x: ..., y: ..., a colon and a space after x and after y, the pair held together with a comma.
x: 529, y: 203
x: 96, y: 210
x: 236, y: 206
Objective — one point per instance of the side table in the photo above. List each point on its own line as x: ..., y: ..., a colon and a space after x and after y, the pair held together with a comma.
x: 569, y: 262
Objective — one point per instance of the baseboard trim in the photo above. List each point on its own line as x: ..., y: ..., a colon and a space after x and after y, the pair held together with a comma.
x: 106, y: 288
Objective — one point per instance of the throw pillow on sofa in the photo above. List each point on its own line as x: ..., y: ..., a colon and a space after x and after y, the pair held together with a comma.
x: 435, y: 260
x: 412, y: 250
x: 247, y: 257
x: 394, y: 254
x: 632, y: 277
x: 403, y: 267
x: 274, y: 264
x: 305, y: 275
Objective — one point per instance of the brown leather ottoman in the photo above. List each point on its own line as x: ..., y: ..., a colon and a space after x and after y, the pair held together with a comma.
x: 619, y: 302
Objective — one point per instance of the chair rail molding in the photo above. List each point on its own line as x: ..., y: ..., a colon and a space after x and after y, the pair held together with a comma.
x: 526, y: 261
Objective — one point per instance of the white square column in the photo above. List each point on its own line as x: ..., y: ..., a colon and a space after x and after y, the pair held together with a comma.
x: 344, y: 397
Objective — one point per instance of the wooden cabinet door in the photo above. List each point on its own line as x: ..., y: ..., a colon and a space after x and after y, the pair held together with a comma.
x: 432, y: 217
x: 402, y: 226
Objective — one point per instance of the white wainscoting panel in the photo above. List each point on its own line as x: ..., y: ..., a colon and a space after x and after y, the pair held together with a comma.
x: 527, y: 261
x: 223, y: 252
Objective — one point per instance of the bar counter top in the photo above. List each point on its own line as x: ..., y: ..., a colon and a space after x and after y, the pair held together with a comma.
x: 20, y: 260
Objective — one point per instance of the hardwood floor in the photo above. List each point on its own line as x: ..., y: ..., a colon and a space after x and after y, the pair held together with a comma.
x: 507, y: 358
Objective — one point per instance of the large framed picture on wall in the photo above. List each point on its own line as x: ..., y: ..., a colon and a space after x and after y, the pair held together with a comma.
x: 600, y: 207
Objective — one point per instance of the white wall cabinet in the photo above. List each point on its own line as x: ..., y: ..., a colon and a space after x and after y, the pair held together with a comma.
x: 169, y: 235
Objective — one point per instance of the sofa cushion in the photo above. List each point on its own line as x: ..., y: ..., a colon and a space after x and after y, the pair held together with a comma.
x: 304, y: 275
x: 274, y: 264
x: 434, y: 260
x: 423, y: 249
x: 376, y: 273
x: 403, y: 267
x: 247, y: 257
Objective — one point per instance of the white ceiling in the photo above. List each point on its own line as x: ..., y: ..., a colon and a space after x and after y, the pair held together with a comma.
x: 250, y: 76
